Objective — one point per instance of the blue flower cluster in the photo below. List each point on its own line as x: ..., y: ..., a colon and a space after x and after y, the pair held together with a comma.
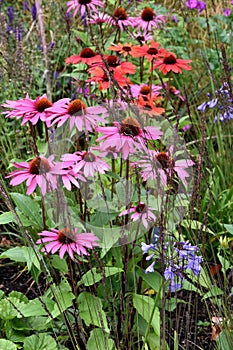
x: 223, y: 102
x: 183, y: 258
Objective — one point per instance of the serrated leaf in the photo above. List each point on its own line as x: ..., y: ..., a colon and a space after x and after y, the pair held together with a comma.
x: 32, y: 308
x: 7, y: 311
x: 99, y: 340
x: 7, y: 218
x: 41, y: 341
x: 145, y: 307
x: 7, y: 345
x: 92, y: 276
x: 29, y: 208
x: 18, y: 295
x: 91, y: 311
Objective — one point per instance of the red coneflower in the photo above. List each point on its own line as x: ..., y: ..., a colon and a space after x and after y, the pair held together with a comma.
x: 124, y: 49
x: 86, y: 56
x: 149, y: 51
x: 169, y: 62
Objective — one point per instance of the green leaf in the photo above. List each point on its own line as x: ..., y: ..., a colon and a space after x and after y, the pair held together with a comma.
x: 31, y: 257
x: 99, y: 340
x: 91, y: 312
x: 7, y: 311
x: 30, y: 209
x: 145, y: 306
x: 18, y: 295
x: 41, y: 341
x: 7, y: 345
x: 92, y: 276
x: 196, y: 225
x: 15, y: 254
x: 63, y: 298
x: 229, y: 228
x: 32, y: 308
x: 225, y: 340
x: 59, y: 264
x: 214, y: 291
x: 153, y: 279
x: 7, y: 217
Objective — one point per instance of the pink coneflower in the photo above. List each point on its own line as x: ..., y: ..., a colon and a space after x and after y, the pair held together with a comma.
x: 88, y: 162
x: 67, y: 240
x: 83, y: 5
x: 142, y: 36
x: 149, y: 19
x: 127, y: 136
x: 68, y: 176
x: 100, y: 18
x: 161, y: 165
x: 144, y: 90
x: 79, y: 115
x: 169, y: 62
x: 40, y: 171
x: 86, y: 56
x: 121, y: 19
x: 29, y: 110
x: 140, y: 212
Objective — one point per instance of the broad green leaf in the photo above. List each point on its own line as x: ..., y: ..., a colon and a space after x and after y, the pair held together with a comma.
x: 7, y: 217
x: 99, y: 340
x: 145, y: 306
x: 31, y: 257
x: 229, y: 228
x: 41, y: 341
x: 91, y: 312
x: 38, y: 323
x: 33, y: 308
x: 18, y: 295
x: 214, y: 291
x: 30, y: 209
x: 92, y: 276
x: 7, y: 311
x: 59, y: 264
x: 153, y: 279
x: 13, y: 334
x: 63, y: 298
x: 15, y: 254
x: 7, y: 345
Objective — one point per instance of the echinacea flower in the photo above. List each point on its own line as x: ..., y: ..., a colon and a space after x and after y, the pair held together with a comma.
x: 82, y: 6
x: 140, y: 212
x: 149, y: 19
x: 163, y: 166
x: 144, y: 90
x: 127, y: 136
x: 86, y: 56
x: 86, y: 161
x: 150, y: 105
x: 149, y: 51
x: 169, y: 62
x: 100, y: 77
x: 29, y: 110
x: 100, y: 18
x: 121, y: 19
x: 78, y: 114
x: 123, y: 49
x: 39, y: 171
x: 67, y: 240
x: 112, y: 63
